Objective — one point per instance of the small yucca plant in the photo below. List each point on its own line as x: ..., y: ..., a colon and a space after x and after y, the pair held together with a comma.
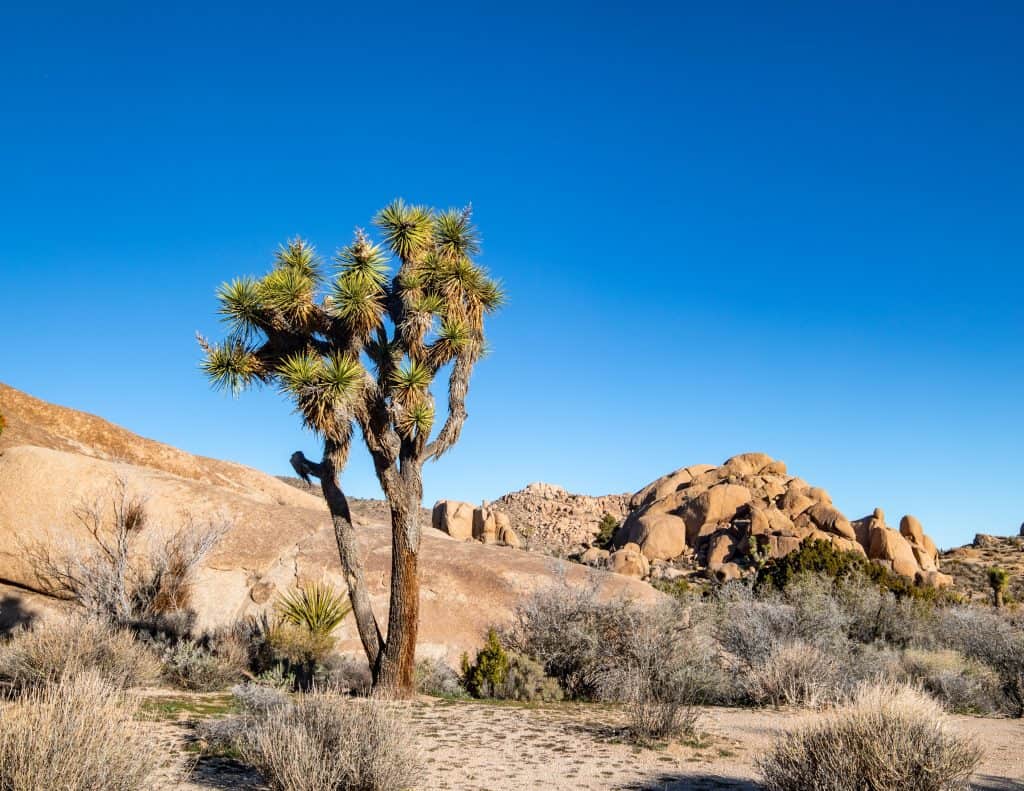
x: 317, y: 607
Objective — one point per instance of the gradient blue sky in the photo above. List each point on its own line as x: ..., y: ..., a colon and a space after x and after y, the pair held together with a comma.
x: 789, y: 227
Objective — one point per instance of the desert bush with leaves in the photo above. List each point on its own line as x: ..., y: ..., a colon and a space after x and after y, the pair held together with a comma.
x: 65, y: 648
x: 77, y: 734
x: 890, y: 738
x: 436, y: 677
x: 961, y: 684
x: 212, y: 662
x: 124, y: 573
x: 303, y: 634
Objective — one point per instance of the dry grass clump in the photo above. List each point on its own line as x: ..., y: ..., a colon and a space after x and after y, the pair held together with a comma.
x: 960, y: 683
x: 324, y: 742
x: 891, y: 738
x: 65, y: 648
x: 795, y: 674
x: 78, y: 734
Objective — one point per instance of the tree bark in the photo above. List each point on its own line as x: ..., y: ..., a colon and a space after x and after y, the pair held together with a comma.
x: 351, y: 564
x: 398, y: 662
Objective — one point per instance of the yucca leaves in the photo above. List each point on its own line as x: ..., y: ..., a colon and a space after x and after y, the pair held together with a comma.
x: 364, y: 261
x: 317, y: 607
x: 300, y: 256
x: 343, y: 376
x: 358, y: 302
x: 408, y: 230
x: 289, y: 293
x: 240, y: 305
x: 417, y: 418
x: 410, y: 381
x: 300, y: 373
x: 455, y: 235
x: 231, y: 365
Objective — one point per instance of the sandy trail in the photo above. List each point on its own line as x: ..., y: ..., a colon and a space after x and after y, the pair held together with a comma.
x: 469, y: 746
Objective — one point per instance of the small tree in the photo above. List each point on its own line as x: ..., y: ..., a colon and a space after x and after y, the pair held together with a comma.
x: 355, y: 347
x: 998, y: 580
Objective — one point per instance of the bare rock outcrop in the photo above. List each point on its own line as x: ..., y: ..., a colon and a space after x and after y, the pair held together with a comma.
x: 750, y: 507
x: 52, y: 459
x: 550, y: 519
x: 466, y: 522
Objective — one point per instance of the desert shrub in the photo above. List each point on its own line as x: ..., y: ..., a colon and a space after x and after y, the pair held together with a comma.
x: 605, y: 531
x: 961, y: 684
x: 822, y: 558
x: 253, y: 702
x: 652, y: 677
x: 994, y: 639
x: 570, y: 633
x: 344, y: 674
x: 487, y: 672
x: 303, y: 635
x: 65, y: 648
x: 677, y: 588
x: 212, y: 662
x: 795, y: 674
x: 124, y: 573
x: 526, y: 681
x: 77, y: 734
x: 325, y: 742
x: 891, y: 738
x: 436, y: 677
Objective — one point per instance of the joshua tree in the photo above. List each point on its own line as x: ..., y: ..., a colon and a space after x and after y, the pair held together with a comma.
x: 356, y: 346
x: 998, y: 580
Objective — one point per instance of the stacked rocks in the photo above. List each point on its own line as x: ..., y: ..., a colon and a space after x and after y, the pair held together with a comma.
x: 466, y: 522
x: 750, y: 507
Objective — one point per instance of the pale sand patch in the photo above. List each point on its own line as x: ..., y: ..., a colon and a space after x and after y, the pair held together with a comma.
x: 470, y: 746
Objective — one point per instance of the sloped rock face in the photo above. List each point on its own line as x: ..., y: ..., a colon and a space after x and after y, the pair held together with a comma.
x: 52, y: 459
x: 549, y: 518
x: 751, y: 506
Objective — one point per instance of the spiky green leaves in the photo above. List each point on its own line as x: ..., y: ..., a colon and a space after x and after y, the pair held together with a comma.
x: 240, y: 306
x: 231, y: 365
x: 416, y: 419
x: 363, y: 261
x: 325, y: 391
x: 455, y: 236
x: 410, y: 382
x: 317, y: 607
x: 357, y: 302
x: 408, y: 230
x: 301, y: 256
x: 288, y: 292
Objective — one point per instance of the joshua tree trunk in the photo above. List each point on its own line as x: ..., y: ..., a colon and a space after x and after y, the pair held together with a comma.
x: 997, y: 597
x: 398, y: 663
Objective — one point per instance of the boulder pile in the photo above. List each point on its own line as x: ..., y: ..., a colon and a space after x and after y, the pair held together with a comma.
x: 728, y: 518
x: 553, y: 520
x: 466, y: 522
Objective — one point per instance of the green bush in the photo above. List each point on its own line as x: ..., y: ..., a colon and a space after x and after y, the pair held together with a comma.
x: 821, y: 557
x: 488, y: 672
x: 605, y: 530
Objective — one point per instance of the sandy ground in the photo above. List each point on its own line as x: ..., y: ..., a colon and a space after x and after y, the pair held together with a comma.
x: 484, y: 747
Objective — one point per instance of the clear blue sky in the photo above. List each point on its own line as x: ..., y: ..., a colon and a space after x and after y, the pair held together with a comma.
x: 788, y: 227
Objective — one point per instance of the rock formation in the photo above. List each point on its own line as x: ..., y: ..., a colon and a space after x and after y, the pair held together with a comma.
x: 750, y: 508
x: 52, y: 459
x: 552, y: 520
x: 464, y: 522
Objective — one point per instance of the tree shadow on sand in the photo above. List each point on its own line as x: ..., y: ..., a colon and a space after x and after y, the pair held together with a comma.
x: 13, y: 615
x: 694, y: 782
x: 993, y: 783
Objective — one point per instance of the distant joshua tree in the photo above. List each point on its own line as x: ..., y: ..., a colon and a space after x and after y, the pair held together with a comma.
x: 998, y: 580
x: 358, y: 346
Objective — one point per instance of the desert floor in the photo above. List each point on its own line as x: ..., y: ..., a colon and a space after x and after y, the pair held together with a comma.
x: 481, y: 746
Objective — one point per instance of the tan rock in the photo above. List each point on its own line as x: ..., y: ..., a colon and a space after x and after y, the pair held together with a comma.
x: 935, y: 579
x: 780, y: 546
x: 720, y: 548
x: 726, y: 572
x: 506, y: 535
x: 594, y: 556
x: 831, y: 520
x: 629, y: 561
x: 747, y: 463
x: 910, y: 528
x: 485, y: 525
x: 718, y: 505
x: 454, y: 518
x: 889, y: 545
x: 796, y: 501
x: 660, y: 536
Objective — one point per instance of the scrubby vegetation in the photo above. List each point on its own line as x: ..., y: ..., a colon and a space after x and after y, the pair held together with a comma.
x: 62, y: 649
x: 76, y: 734
x: 506, y: 675
x: 889, y: 737
x: 318, y: 741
